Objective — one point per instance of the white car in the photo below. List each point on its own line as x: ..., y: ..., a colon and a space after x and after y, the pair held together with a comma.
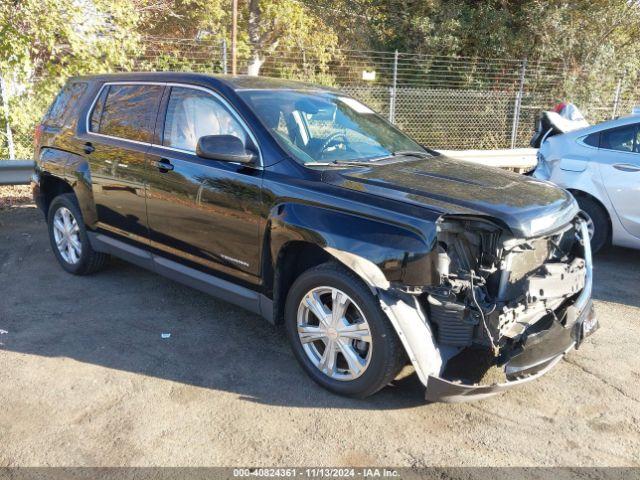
x: 600, y: 166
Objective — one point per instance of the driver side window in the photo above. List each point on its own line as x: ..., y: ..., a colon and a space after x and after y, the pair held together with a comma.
x: 192, y: 114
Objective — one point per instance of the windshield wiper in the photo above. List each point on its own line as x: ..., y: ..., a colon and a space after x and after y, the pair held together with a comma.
x: 358, y: 163
x: 353, y: 162
x: 412, y: 153
x: 337, y: 163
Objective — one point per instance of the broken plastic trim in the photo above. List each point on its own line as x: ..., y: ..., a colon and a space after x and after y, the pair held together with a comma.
x: 366, y: 269
x: 410, y: 322
x: 442, y: 390
x: 405, y: 314
x: 583, y: 299
x: 413, y: 328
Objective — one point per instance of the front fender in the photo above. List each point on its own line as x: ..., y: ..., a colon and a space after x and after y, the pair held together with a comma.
x: 381, y: 252
x: 387, y: 256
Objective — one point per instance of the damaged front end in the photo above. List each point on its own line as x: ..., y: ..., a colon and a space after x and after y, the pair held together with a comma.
x: 500, y: 310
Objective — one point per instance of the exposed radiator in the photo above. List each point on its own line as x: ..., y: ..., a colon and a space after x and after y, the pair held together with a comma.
x: 453, y: 328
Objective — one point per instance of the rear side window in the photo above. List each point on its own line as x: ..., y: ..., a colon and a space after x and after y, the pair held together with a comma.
x: 128, y: 111
x: 97, y: 111
x: 592, y: 140
x: 65, y: 104
x: 620, y: 139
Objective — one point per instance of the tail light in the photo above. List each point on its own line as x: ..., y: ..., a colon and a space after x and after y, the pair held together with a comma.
x: 37, y: 134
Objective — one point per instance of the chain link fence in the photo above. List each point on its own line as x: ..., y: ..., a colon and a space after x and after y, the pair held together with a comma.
x: 442, y: 102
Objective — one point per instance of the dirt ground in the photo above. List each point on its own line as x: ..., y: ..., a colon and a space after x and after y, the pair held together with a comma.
x: 86, y: 379
x: 11, y: 195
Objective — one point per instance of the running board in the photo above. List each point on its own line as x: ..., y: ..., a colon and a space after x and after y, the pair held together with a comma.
x: 243, y: 297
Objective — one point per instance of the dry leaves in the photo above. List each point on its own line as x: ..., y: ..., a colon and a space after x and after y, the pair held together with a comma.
x: 14, y: 195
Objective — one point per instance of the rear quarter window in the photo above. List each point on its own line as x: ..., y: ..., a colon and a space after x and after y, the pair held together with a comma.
x: 126, y: 111
x: 96, y: 114
x: 592, y: 140
x: 621, y: 139
x: 64, y: 108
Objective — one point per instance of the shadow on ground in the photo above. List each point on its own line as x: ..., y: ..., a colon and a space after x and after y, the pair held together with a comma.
x: 616, y: 274
x: 115, y: 319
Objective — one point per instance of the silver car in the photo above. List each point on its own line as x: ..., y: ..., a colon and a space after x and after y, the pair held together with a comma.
x: 600, y: 166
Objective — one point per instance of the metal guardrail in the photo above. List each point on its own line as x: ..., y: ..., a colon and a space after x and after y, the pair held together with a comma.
x: 16, y: 172
x: 519, y: 160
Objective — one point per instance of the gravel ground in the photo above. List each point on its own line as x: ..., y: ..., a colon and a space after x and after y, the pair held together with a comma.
x: 12, y: 195
x: 86, y: 379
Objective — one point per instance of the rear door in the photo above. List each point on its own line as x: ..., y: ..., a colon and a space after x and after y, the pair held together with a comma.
x: 619, y: 158
x: 202, y: 212
x: 119, y: 133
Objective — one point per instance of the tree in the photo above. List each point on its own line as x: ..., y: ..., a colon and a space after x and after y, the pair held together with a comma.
x: 575, y: 34
x: 585, y: 45
x: 48, y: 37
x: 43, y: 42
x: 287, y: 25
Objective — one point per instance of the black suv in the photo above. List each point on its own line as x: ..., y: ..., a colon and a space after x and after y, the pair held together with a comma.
x: 302, y: 205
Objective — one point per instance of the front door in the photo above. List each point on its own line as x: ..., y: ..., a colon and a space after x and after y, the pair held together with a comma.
x: 619, y: 156
x: 120, y: 132
x: 203, y: 212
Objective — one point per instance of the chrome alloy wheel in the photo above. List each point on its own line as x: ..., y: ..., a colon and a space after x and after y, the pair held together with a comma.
x: 334, y: 333
x: 589, y: 221
x: 66, y: 233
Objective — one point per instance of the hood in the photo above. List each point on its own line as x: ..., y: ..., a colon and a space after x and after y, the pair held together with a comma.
x: 529, y: 207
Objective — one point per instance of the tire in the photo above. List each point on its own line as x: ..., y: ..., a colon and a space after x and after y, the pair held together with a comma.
x: 592, y: 211
x: 380, y: 355
x: 64, y: 211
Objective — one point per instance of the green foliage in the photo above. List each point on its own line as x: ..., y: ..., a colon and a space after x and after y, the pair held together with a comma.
x: 185, y: 19
x: 264, y: 27
x: 43, y: 42
x: 591, y: 41
x: 48, y: 38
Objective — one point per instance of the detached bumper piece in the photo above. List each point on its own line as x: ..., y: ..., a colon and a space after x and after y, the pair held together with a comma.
x: 539, y: 354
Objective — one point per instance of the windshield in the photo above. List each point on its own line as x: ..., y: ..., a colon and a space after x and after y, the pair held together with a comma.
x: 326, y: 127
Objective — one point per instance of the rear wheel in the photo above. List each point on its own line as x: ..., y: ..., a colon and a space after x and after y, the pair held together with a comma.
x: 339, y: 333
x: 597, y: 221
x: 69, y: 239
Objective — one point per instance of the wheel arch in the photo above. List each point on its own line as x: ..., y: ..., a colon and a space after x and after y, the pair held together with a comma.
x: 52, y: 186
x: 294, y: 258
x: 61, y: 172
x: 300, y: 237
x: 577, y: 193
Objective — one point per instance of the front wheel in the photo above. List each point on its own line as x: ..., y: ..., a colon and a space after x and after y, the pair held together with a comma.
x: 69, y: 239
x: 339, y: 333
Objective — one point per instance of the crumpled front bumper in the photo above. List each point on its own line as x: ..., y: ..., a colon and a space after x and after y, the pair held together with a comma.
x: 533, y: 362
x: 541, y: 352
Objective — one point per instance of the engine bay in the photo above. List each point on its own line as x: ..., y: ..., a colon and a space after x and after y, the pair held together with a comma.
x: 494, y: 289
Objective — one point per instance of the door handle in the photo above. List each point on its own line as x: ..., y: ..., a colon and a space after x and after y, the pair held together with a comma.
x: 164, y: 165
x: 627, y: 167
x: 88, y: 148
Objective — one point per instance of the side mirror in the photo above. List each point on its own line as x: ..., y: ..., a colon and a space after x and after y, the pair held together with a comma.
x: 226, y: 148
